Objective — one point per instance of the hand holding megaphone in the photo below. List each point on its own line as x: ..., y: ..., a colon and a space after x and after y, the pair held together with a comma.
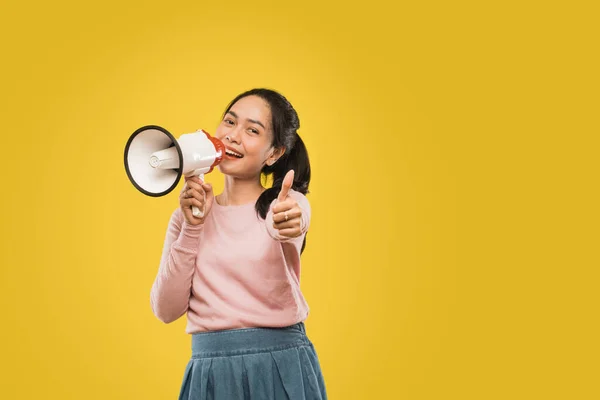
x: 155, y: 161
x: 196, y: 200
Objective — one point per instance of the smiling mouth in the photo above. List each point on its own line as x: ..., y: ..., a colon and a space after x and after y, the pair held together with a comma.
x: 233, y: 153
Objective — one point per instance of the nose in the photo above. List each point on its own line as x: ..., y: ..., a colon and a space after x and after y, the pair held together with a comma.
x: 234, y: 135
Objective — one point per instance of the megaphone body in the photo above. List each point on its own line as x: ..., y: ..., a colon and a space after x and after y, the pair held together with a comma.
x: 155, y: 160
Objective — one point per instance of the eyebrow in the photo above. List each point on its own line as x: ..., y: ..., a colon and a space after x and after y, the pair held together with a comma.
x: 247, y: 119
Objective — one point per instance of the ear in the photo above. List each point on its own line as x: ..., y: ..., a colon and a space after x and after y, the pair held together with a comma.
x: 275, y: 155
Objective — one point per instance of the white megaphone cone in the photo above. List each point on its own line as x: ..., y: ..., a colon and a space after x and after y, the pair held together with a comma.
x: 155, y: 160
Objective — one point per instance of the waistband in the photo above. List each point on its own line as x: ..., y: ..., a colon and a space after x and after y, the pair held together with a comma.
x: 247, y: 341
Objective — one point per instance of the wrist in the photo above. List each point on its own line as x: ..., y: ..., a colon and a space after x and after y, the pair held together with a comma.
x: 191, y: 228
x: 189, y: 236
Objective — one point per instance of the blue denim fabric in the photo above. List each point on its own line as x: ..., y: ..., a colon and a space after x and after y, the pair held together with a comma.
x: 253, y: 363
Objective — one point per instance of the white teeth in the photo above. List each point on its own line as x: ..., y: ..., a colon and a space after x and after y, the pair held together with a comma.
x: 233, y: 153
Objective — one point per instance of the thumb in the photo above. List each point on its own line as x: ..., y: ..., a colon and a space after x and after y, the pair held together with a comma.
x: 210, y: 197
x: 286, y: 185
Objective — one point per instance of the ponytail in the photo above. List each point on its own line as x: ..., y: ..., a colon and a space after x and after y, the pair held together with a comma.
x: 297, y: 159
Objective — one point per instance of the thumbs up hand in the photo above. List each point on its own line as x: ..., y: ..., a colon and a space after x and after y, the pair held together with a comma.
x: 287, y: 215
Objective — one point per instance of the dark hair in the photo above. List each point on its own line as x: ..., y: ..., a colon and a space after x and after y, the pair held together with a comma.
x: 284, y: 123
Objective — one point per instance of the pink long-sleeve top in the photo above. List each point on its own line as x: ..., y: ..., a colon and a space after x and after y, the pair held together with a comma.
x: 233, y: 271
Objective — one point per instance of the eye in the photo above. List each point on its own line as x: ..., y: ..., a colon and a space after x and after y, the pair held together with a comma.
x: 254, y: 130
x: 229, y: 121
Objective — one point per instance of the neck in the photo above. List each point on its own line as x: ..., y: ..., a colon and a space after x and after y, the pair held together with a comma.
x: 239, y: 191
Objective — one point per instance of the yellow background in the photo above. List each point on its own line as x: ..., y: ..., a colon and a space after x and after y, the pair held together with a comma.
x: 453, y: 252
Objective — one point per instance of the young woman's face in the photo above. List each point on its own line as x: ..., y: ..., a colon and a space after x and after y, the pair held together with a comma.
x: 247, y: 134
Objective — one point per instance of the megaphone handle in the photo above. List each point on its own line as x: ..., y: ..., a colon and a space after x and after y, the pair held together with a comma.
x: 195, y: 210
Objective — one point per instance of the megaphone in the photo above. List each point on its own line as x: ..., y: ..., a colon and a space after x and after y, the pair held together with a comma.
x: 155, y: 160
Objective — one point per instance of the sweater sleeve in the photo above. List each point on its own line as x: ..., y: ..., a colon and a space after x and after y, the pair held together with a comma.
x: 171, y: 290
x: 305, y: 222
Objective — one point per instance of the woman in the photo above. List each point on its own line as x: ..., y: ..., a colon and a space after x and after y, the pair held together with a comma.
x: 236, y: 271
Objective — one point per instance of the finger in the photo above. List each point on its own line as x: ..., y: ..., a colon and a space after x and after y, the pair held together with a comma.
x: 195, y: 185
x: 197, y: 195
x: 286, y: 185
x: 189, y: 200
x: 291, y: 214
x: 193, y: 202
x: 287, y: 224
x: 192, y: 193
x: 290, y: 232
x: 193, y: 178
x: 210, y: 197
x: 207, y: 187
x: 194, y: 188
x: 285, y: 205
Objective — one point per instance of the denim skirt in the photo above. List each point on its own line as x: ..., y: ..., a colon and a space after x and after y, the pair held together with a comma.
x: 253, y: 363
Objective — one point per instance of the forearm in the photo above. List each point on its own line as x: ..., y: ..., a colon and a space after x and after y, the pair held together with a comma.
x: 171, y: 289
